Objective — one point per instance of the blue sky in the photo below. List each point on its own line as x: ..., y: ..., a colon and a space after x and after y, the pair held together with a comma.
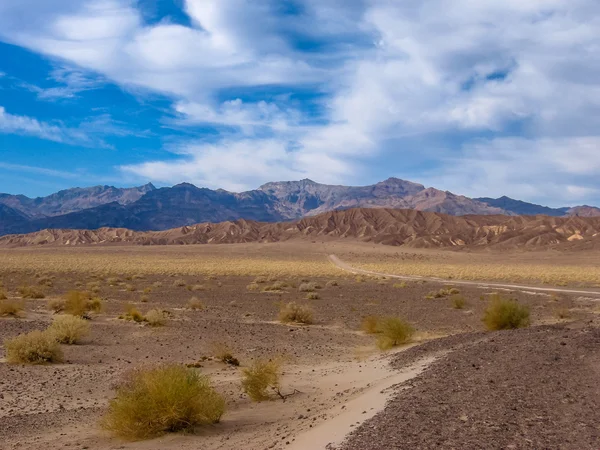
x: 490, y: 98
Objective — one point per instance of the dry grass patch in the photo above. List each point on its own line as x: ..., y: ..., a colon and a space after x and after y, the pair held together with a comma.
x: 56, y: 305
x: 393, y: 332
x: 68, y: 329
x: 224, y: 354
x: 156, y: 318
x: 179, y: 283
x: 132, y: 313
x: 163, y: 400
x: 80, y: 303
x: 295, y: 313
x: 458, y: 302
x: 11, y: 308
x: 35, y: 347
x: 2, y: 294
x: 308, y: 287
x: 31, y: 292
x: 369, y: 324
x: 261, y: 377
x: 313, y: 296
x: 400, y: 285
x: 195, y: 304
x: 504, y: 314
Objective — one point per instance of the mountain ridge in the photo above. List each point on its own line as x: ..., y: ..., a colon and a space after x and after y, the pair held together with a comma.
x: 147, y: 208
x: 396, y: 227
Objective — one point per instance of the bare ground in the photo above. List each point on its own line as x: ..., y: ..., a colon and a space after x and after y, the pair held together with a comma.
x: 335, y: 368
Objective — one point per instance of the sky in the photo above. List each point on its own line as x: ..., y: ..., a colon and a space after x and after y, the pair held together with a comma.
x: 481, y: 98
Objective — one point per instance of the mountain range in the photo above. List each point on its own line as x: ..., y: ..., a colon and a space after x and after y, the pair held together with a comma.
x: 410, y: 228
x: 147, y: 208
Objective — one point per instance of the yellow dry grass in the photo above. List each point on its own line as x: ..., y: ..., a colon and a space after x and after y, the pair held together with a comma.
x: 104, y: 262
x: 553, y: 274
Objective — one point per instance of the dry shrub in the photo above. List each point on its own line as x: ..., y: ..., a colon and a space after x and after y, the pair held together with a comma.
x: 307, y: 287
x: 332, y: 283
x: 45, y: 281
x: 93, y: 286
x: 147, y: 290
x: 157, y: 284
x: 2, y: 294
x: 504, y: 314
x: 277, y: 286
x: 196, y: 288
x: 313, y: 296
x: 223, y: 353
x: 562, y: 313
x: 79, y: 303
x: 35, y: 347
x: 166, y: 399
x: 31, y: 292
x: 130, y: 288
x: 259, y: 378
x: 56, y: 304
x: 68, y: 329
x: 113, y: 281
x: 295, y: 313
x: 156, y: 318
x: 144, y: 299
x: 253, y: 287
x: 458, y: 302
x: 260, y: 280
x: 132, y: 313
x: 195, y: 304
x: 400, y: 285
x: 369, y: 324
x: 179, y: 283
x: 360, y: 279
x: 393, y: 331
x: 11, y: 308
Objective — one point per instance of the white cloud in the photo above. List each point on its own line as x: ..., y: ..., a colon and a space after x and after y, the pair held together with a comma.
x: 555, y: 171
x: 10, y: 123
x: 521, y: 74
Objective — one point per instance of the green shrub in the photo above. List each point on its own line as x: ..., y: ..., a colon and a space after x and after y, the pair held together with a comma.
x: 503, y: 314
x: 35, y: 347
x: 295, y: 313
x: 259, y: 378
x: 393, y: 331
x: 163, y: 400
x: 68, y: 329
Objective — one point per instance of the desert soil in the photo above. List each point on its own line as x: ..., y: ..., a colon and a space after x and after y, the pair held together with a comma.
x: 336, y: 369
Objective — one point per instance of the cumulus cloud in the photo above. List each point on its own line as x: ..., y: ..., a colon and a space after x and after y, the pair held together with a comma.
x: 510, y: 87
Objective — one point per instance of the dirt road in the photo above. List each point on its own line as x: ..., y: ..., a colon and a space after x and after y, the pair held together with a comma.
x: 484, y: 284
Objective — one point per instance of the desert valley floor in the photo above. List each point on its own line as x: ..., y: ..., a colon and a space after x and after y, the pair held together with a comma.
x: 455, y: 385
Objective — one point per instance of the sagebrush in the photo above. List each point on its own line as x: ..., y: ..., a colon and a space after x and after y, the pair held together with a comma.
x: 163, y: 400
x: 261, y: 377
x: 35, y: 347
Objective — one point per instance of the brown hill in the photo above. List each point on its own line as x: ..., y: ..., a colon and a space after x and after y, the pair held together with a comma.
x: 385, y: 226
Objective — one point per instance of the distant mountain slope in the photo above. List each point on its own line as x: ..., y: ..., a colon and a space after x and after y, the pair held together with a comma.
x: 305, y: 197
x: 385, y: 226
x: 146, y: 208
x: 72, y: 200
x: 11, y: 220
